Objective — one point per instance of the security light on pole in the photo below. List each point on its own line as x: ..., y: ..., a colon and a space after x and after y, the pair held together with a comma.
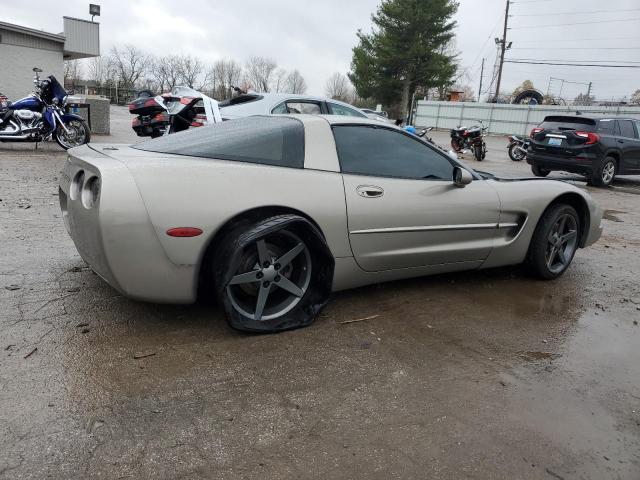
x: 94, y: 10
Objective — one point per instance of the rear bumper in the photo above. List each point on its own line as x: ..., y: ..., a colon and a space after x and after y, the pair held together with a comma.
x: 115, y: 236
x: 583, y: 165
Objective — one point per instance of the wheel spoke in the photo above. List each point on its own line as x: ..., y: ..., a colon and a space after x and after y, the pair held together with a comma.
x: 262, y: 301
x: 552, y: 256
x: 249, y: 277
x: 561, y: 256
x: 286, y: 259
x: 561, y: 224
x: 568, y: 236
x: 290, y: 287
x: 263, y: 252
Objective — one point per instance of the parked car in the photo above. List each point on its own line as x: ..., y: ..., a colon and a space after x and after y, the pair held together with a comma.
x: 270, y: 214
x: 265, y: 103
x: 599, y: 148
x: 375, y: 115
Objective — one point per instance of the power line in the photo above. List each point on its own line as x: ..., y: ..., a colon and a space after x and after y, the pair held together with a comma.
x: 577, y: 48
x: 564, y: 40
x: 574, y: 12
x: 561, y: 60
x: 578, y: 23
x: 573, y: 64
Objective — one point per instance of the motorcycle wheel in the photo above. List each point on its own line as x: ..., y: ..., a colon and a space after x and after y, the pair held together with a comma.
x: 79, y: 134
x: 477, y: 152
x: 456, y: 144
x: 515, y: 153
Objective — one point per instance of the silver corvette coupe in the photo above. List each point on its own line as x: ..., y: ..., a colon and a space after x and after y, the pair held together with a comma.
x: 270, y: 214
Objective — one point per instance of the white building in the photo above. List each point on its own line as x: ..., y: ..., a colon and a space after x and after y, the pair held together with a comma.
x: 23, y: 48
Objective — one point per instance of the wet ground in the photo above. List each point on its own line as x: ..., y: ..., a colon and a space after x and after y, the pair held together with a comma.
x: 476, y: 375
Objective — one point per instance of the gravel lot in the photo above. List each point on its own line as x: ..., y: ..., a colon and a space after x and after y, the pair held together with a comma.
x: 476, y: 375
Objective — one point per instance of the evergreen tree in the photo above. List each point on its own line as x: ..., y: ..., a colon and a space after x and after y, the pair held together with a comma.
x: 408, y: 48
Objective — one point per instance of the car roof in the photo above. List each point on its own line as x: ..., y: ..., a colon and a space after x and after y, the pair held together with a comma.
x: 265, y: 102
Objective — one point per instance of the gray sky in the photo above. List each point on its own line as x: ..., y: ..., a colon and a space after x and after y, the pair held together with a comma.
x: 317, y: 37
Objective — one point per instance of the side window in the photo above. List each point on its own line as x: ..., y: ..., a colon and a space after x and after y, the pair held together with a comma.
x: 606, y: 127
x: 626, y: 129
x: 282, y: 108
x: 297, y: 106
x: 366, y: 150
x: 346, y: 111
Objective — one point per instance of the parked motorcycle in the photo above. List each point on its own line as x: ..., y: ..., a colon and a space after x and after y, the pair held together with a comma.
x: 422, y: 133
x: 42, y: 116
x: 172, y: 112
x: 465, y: 138
x: 518, y: 147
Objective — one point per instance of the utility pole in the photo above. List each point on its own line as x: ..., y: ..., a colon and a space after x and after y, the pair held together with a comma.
x: 481, y: 77
x: 589, y: 91
x: 503, y: 48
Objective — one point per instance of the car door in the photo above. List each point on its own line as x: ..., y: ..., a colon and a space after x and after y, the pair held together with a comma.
x: 402, y: 208
x: 629, y: 144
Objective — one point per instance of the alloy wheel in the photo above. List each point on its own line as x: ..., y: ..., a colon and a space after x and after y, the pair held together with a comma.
x: 76, y: 135
x: 274, y: 274
x: 561, y: 243
x: 608, y: 172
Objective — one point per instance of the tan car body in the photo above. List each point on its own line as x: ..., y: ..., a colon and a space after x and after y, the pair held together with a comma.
x: 417, y: 227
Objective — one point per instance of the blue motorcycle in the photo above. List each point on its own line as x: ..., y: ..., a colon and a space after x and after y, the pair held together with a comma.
x: 42, y: 116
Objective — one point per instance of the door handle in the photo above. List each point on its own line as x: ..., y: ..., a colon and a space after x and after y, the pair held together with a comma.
x: 369, y: 191
x: 620, y: 141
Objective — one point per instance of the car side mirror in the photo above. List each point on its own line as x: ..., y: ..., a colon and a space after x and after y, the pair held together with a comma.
x: 461, y: 177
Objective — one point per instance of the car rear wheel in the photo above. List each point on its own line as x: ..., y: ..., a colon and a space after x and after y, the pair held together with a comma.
x: 604, y: 175
x: 539, y: 172
x: 516, y: 152
x: 270, y: 276
x: 554, y: 242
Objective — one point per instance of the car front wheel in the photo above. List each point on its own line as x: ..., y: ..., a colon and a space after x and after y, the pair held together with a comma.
x: 554, y: 242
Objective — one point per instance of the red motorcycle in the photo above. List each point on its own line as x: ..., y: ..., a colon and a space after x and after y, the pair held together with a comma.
x: 470, y: 138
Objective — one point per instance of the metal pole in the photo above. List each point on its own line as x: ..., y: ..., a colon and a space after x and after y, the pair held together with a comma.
x: 503, y: 48
x: 481, y: 76
x: 589, y: 91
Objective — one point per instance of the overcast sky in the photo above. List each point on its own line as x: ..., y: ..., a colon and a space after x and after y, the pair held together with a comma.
x: 317, y: 37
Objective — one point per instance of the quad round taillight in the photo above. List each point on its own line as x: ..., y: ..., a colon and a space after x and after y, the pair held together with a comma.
x: 91, y: 192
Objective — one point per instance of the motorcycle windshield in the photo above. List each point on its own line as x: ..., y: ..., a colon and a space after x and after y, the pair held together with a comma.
x: 57, y: 90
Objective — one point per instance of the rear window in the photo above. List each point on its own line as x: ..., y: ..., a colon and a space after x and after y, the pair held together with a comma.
x: 568, y: 123
x: 277, y: 141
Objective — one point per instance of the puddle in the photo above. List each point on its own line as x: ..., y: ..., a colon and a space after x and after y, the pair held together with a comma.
x: 610, y: 215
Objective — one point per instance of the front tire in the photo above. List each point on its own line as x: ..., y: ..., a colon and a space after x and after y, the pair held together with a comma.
x: 79, y: 134
x: 539, y: 172
x: 272, y: 275
x: 603, y: 175
x: 456, y: 144
x: 554, y: 242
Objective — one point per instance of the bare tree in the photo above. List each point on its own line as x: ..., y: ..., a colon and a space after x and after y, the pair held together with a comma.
x: 72, y: 70
x: 635, y: 98
x: 190, y: 69
x: 338, y: 87
x: 296, y: 83
x: 130, y: 64
x: 97, y: 70
x: 279, y: 81
x: 222, y: 76
x: 259, y: 72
